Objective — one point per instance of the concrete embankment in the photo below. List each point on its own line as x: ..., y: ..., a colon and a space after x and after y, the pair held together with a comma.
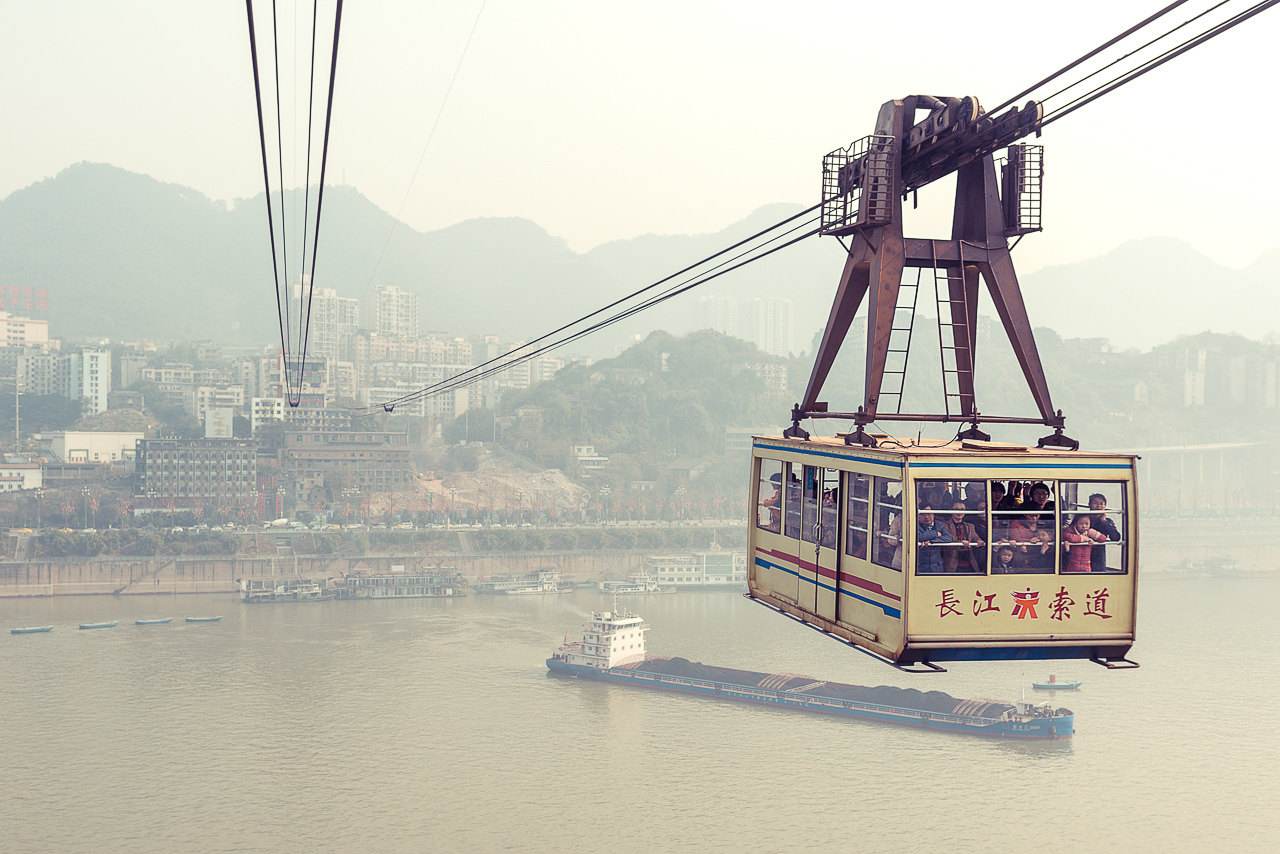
x: 190, y: 574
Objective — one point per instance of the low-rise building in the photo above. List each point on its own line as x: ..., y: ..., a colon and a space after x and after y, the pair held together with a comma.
x: 220, y: 469
x: 374, y: 462
x: 92, y: 446
x: 15, y: 477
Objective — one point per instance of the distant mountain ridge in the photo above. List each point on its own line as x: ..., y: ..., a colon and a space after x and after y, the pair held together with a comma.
x: 126, y: 256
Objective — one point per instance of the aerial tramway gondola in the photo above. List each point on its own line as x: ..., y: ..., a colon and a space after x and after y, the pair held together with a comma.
x: 968, y: 549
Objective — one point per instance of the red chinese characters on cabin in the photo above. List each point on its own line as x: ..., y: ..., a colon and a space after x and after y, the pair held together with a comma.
x: 1095, y: 604
x: 947, y: 605
x: 1061, y: 605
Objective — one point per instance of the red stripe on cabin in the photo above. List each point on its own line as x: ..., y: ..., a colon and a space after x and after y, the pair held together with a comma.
x: 864, y: 583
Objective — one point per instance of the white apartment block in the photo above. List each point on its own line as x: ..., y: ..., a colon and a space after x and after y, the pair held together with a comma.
x: 334, y: 320
x: 265, y: 409
x: 86, y: 376
x: 218, y: 397
x: 397, y: 312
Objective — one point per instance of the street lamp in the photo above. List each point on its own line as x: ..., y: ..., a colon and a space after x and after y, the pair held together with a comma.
x: 84, y: 492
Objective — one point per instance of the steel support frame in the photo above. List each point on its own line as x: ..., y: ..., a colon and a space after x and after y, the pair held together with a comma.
x: 873, y: 270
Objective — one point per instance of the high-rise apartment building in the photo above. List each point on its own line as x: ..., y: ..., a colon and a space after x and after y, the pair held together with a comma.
x: 334, y: 320
x: 397, y: 312
x: 86, y: 376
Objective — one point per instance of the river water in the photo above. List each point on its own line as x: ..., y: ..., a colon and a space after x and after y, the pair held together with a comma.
x: 431, y: 725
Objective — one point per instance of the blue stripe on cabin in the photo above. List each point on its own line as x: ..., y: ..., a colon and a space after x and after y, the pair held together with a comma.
x: 831, y: 454
x: 890, y: 611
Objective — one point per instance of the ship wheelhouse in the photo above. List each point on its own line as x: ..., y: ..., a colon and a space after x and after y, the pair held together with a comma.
x: 966, y: 551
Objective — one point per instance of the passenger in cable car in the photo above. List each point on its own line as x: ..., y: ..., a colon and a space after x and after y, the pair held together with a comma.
x: 889, y: 544
x: 965, y: 556
x: 1040, y: 498
x: 1006, y: 499
x: 975, y: 495
x: 1033, y: 544
x: 1100, y: 523
x: 1077, y: 540
x: 1004, y: 564
x: 773, y: 503
x: 928, y: 535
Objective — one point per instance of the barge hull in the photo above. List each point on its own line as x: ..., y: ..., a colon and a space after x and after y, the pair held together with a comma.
x: 1059, y: 727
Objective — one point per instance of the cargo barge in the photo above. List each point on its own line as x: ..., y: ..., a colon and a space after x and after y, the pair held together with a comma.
x: 612, y: 650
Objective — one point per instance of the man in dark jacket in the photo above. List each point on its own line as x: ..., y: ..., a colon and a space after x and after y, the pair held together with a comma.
x: 1098, y: 516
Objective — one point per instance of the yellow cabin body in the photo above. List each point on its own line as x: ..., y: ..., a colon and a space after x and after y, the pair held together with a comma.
x: 961, y: 551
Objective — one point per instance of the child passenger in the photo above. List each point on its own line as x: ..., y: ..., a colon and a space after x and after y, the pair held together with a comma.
x: 1078, y: 539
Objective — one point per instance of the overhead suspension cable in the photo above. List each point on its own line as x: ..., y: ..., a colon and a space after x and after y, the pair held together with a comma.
x: 266, y: 182
x: 470, y: 376
x: 665, y: 279
x: 1151, y: 64
x: 1137, y: 49
x: 324, y: 162
x: 284, y: 226
x: 306, y: 183
x: 1075, y: 62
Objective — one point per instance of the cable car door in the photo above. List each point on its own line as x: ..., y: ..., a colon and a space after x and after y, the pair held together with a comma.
x: 819, y: 532
x: 827, y: 561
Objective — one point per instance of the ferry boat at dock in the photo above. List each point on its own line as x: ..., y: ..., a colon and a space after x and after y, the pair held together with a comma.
x: 612, y: 649
x: 256, y: 591
x: 422, y: 584
x: 531, y: 584
x: 636, y: 582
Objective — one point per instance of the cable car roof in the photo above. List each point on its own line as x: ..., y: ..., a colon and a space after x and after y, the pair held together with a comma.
x: 890, y: 446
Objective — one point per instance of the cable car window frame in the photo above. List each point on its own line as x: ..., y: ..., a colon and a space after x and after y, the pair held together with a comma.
x: 764, y: 482
x: 856, y: 522
x: 878, y: 534
x: 791, y: 500
x: 994, y: 545
x: 829, y: 534
x: 810, y: 503
x: 1120, y: 517
x: 941, y: 517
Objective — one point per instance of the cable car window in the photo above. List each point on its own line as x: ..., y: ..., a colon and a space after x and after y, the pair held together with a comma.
x: 769, y: 496
x: 1024, y: 532
x: 952, y: 538
x: 1094, y: 517
x: 829, y: 531
x: 887, y: 523
x: 809, y: 520
x: 858, y: 490
x: 791, y: 507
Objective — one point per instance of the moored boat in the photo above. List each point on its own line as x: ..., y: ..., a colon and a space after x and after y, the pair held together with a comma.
x: 30, y: 630
x: 216, y: 619
x: 1054, y: 685
x: 109, y: 624
x: 158, y: 621
x: 612, y: 650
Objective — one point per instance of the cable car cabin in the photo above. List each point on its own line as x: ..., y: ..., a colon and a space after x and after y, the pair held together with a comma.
x: 968, y: 551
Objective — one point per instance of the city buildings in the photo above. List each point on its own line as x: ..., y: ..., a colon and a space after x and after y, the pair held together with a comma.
x: 397, y: 312
x: 320, y: 461
x: 92, y: 446
x: 765, y: 322
x: 334, y: 321
x: 221, y: 470
x: 15, y: 477
x: 86, y: 377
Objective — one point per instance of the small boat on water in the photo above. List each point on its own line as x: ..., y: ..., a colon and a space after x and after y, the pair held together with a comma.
x: 1054, y: 685
x: 110, y: 624
x: 159, y: 621
x: 217, y: 619
x: 30, y: 630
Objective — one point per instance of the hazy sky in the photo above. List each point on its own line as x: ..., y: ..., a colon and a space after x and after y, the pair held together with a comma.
x: 602, y: 120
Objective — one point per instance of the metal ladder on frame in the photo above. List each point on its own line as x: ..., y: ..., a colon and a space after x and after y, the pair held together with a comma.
x: 949, y: 345
x: 900, y: 343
